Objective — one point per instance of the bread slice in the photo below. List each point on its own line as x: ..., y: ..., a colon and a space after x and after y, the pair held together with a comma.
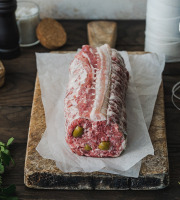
x: 51, y: 33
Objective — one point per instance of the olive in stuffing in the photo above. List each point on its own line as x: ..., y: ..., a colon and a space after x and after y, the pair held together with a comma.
x: 104, y: 145
x: 87, y: 147
x: 78, y: 131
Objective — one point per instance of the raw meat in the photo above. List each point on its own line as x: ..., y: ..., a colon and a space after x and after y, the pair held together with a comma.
x: 95, y: 103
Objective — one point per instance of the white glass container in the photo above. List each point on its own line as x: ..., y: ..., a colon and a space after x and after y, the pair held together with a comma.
x: 27, y: 17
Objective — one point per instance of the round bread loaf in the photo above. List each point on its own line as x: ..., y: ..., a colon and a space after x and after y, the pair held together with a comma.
x: 51, y: 33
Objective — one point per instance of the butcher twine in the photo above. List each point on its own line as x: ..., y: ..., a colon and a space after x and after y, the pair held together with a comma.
x: 162, y: 28
x: 175, y: 88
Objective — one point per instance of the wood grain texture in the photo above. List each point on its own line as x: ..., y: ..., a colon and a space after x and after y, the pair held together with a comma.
x: 102, y: 32
x: 42, y: 173
x: 19, y: 87
x: 2, y: 74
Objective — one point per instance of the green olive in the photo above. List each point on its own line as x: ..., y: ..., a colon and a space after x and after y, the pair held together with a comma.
x: 104, y: 145
x: 78, y: 131
x: 87, y: 147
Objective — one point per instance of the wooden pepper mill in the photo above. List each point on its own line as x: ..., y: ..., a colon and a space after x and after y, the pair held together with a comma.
x: 9, y: 35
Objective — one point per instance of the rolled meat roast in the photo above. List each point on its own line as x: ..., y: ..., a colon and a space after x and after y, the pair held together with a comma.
x: 95, y: 103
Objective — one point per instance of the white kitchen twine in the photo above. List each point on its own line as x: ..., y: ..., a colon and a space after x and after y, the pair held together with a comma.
x: 175, y: 88
x: 163, y: 28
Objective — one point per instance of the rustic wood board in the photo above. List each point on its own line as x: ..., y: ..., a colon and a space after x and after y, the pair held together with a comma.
x: 42, y: 173
x: 2, y: 74
x: 101, y: 32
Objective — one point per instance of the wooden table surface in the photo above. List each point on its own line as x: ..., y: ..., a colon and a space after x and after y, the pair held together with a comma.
x: 15, y: 109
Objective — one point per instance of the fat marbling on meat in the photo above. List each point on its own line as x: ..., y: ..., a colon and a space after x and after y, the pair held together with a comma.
x: 95, y: 103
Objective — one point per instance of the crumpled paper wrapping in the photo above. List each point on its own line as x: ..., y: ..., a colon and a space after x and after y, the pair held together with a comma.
x: 145, y: 79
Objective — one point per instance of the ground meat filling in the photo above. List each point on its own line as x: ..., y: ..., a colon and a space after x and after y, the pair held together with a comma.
x: 95, y: 103
x: 94, y: 134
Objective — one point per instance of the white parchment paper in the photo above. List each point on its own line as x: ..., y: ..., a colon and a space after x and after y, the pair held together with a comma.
x: 145, y: 78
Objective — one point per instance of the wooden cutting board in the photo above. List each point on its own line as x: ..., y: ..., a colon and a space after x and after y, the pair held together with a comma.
x: 43, y: 173
x: 99, y: 34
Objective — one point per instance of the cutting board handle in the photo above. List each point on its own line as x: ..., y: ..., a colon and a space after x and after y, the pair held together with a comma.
x: 102, y: 32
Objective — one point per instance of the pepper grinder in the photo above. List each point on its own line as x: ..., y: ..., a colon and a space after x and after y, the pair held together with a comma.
x: 9, y: 35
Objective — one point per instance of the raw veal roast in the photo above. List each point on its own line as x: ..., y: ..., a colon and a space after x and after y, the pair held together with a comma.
x: 95, y: 103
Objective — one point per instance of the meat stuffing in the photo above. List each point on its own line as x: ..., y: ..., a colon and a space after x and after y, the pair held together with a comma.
x: 95, y: 103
